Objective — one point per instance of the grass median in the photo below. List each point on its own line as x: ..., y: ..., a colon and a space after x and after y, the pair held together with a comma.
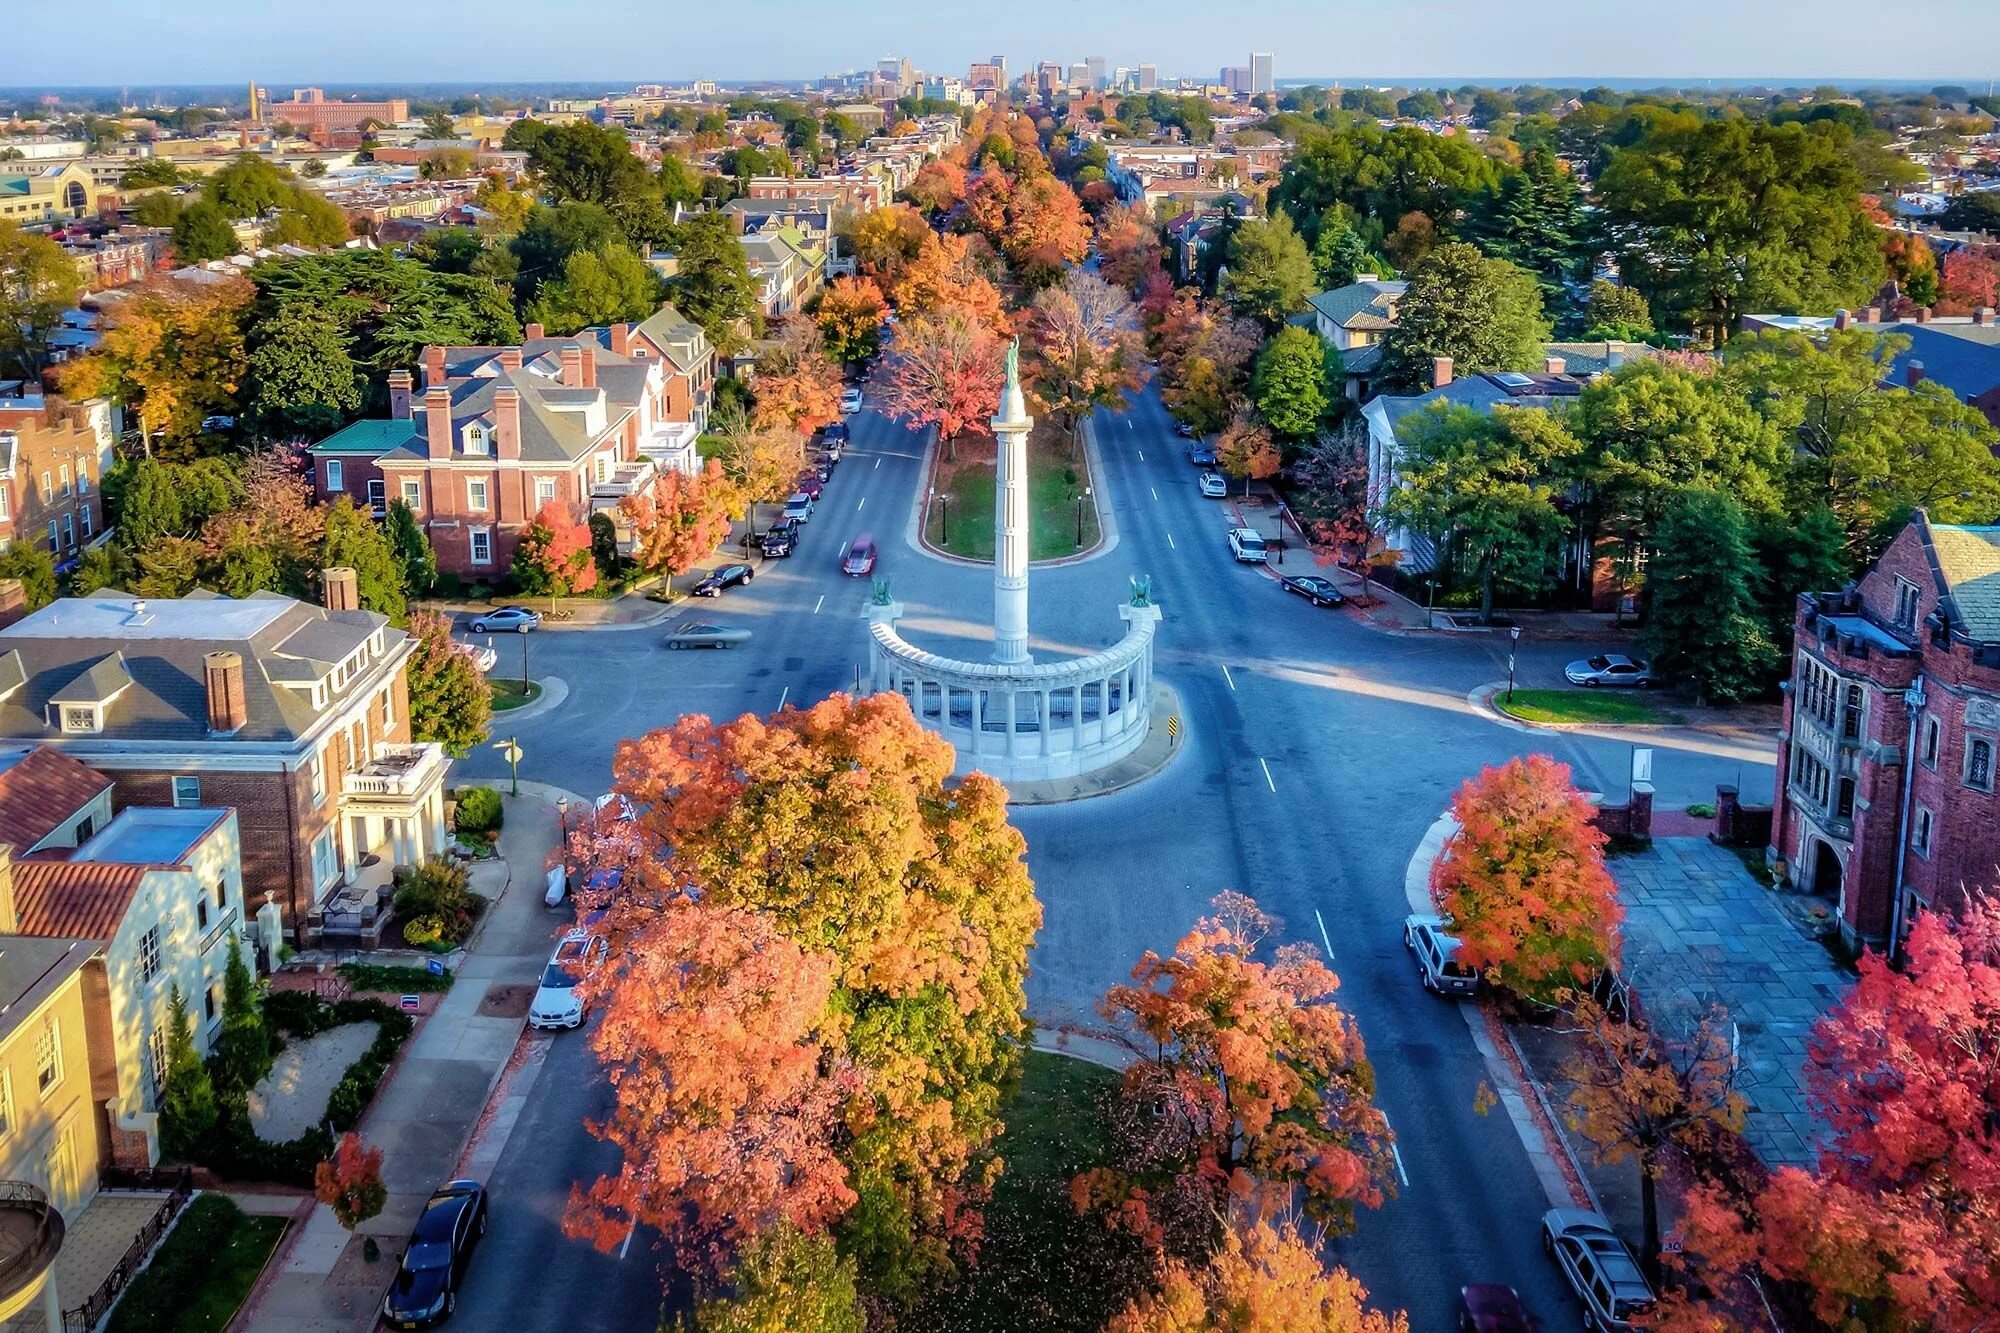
x: 1056, y: 483
x: 511, y: 692
x: 1584, y: 707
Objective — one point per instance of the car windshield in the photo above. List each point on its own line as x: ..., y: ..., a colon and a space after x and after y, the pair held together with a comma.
x: 558, y: 976
x: 1598, y: 663
x: 427, y: 1258
x: 1251, y: 542
x: 1626, y: 1309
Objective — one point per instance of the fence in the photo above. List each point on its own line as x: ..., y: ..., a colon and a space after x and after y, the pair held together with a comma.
x: 180, y: 1187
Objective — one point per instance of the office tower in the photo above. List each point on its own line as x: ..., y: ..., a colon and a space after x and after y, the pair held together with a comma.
x: 1260, y: 72
x: 1235, y: 78
x: 1095, y: 66
x: 1149, y: 78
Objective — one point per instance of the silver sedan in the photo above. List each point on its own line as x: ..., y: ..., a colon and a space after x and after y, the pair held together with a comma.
x: 706, y: 636
x: 1609, y: 669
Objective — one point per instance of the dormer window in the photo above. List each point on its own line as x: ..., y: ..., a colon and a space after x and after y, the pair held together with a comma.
x: 477, y: 440
x: 79, y: 719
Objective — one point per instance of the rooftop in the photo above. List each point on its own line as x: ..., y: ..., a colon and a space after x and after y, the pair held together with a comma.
x: 1969, y: 558
x: 30, y: 971
x: 40, y: 790
x: 151, y: 836
x: 135, y: 620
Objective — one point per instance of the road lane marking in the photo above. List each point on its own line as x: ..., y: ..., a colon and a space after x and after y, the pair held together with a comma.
x: 1267, y: 774
x: 1226, y: 676
x: 821, y: 602
x: 626, y: 1247
x: 864, y: 500
x: 878, y: 465
x: 1142, y: 455
x: 784, y: 696
x: 1156, y: 493
x: 1170, y: 543
x: 1324, y: 938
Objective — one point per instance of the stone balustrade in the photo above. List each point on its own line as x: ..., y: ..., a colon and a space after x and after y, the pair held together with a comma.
x: 1025, y: 722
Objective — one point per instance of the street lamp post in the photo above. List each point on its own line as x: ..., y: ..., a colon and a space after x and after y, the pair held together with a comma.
x: 944, y: 520
x: 527, y: 681
x: 1513, y: 644
x: 562, y: 847
x: 1082, y: 495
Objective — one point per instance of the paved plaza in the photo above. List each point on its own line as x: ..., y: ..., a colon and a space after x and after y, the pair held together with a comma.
x: 1700, y: 930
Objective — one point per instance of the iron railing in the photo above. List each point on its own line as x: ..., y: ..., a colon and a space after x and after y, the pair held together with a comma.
x: 179, y: 1184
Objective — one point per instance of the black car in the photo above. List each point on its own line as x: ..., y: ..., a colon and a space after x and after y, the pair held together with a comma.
x: 1318, y: 591
x: 836, y: 431
x: 726, y: 577
x: 780, y: 539
x: 433, y: 1268
x: 1201, y: 455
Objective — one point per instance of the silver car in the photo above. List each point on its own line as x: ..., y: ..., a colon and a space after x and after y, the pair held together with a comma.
x: 1214, y: 485
x: 1438, y: 967
x: 1610, y: 669
x: 518, y: 619
x: 706, y: 636
x: 1598, y: 1267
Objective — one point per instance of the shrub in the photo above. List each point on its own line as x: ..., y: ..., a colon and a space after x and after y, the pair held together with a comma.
x: 401, y: 980
x: 479, y: 810
x: 423, y: 931
x: 439, y: 888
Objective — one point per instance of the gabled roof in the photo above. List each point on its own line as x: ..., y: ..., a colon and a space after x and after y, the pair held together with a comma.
x: 33, y: 969
x: 40, y: 791
x: 1969, y: 559
x: 1367, y: 305
x: 74, y: 900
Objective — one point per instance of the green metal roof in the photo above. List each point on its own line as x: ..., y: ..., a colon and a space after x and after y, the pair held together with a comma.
x: 372, y: 437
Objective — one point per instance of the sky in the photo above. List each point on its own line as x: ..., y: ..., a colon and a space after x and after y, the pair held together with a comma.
x: 140, y: 42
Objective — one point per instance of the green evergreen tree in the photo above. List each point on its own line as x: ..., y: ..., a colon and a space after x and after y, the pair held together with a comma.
x: 1289, y: 384
x: 353, y: 540
x: 713, y: 287
x: 1270, y: 273
x: 1702, y: 616
x: 1802, y: 555
x: 305, y: 381
x: 31, y: 563
x: 413, y: 549
x: 188, y: 1111
x: 243, y: 1048
x: 1616, y: 313
x: 1485, y: 314
x: 1339, y: 256
x: 106, y: 566
x: 1534, y: 220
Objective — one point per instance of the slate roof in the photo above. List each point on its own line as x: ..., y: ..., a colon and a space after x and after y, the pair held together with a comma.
x: 40, y: 791
x: 31, y: 970
x: 160, y: 645
x: 1588, y: 360
x: 1965, y: 358
x: 1969, y: 559
x: 369, y: 438
x: 1368, y: 305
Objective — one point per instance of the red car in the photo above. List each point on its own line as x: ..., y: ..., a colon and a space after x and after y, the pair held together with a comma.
x: 809, y: 483
x: 860, y: 558
x: 1490, y: 1307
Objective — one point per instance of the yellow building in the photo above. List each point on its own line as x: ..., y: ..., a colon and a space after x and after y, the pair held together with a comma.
x: 47, y: 193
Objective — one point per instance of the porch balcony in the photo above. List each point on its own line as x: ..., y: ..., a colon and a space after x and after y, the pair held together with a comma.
x: 673, y: 445
x: 400, y: 775
x: 628, y: 478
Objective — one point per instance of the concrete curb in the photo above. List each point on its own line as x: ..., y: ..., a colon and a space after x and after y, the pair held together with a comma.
x: 1509, y: 1079
x: 1083, y: 1046
x: 1680, y: 736
x: 1107, y: 525
x: 555, y: 690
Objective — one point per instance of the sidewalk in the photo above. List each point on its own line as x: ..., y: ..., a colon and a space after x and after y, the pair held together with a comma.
x: 1292, y: 552
x: 429, y: 1102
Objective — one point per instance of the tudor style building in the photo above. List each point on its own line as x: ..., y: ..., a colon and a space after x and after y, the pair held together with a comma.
x: 1891, y: 740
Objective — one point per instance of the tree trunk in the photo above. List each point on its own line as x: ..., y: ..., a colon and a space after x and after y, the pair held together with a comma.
x: 1486, y: 595
x: 1649, y: 1208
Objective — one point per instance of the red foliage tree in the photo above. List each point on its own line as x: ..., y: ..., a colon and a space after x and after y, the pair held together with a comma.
x: 947, y: 373
x: 680, y: 520
x: 1258, y: 1088
x: 350, y: 1182
x: 947, y: 274
x: 553, y: 556
x: 714, y: 1034
x: 1047, y: 229
x: 1966, y: 283
x: 1523, y: 880
x: 938, y: 187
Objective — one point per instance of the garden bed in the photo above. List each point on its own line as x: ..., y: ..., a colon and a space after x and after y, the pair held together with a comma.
x: 509, y: 693
x: 1584, y: 708
x: 202, y: 1272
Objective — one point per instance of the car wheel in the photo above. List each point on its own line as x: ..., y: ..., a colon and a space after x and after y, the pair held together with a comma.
x: 1548, y: 1243
x: 1590, y: 682
x: 1590, y: 1324
x: 749, y: 574
x: 478, y: 627
x: 1644, y: 684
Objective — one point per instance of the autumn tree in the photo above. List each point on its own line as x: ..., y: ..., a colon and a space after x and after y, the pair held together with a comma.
x: 449, y: 701
x: 553, y: 556
x: 1257, y: 1087
x: 1246, y: 450
x: 1330, y: 496
x: 785, y: 1280
x: 1128, y: 247
x: 832, y: 833
x: 1263, y: 1279
x: 1523, y: 883
x: 883, y: 240
x: 1966, y: 283
x: 679, y: 521
x: 938, y: 187
x: 1651, y: 1097
x: 350, y: 1182
x: 274, y: 539
x: 950, y: 273
x: 798, y: 384
x: 850, y: 317
x: 1047, y: 229
x: 1204, y: 355
x: 38, y: 282
x: 1085, y: 351
x: 173, y: 356
x: 947, y: 373
x: 760, y: 462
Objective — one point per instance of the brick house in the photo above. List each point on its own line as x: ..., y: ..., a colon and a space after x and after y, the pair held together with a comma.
x: 498, y: 432
x: 1903, y: 665
x: 295, y: 715
x: 53, y: 455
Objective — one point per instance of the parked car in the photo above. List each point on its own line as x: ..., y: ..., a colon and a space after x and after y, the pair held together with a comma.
x: 860, y: 558
x: 427, y: 1280
x: 556, y: 1003
x: 1185, y: 431
x: 835, y: 437
x: 799, y: 506
x: 519, y: 619
x: 706, y: 636
x: 824, y: 460
x: 1318, y: 591
x: 726, y: 577
x: 850, y: 398
x: 810, y: 484
x: 1491, y: 1307
x: 780, y: 539
x: 1201, y: 455
x: 1437, y: 957
x: 1610, y: 669
x: 1598, y: 1267
x: 1247, y: 546
x: 1214, y: 485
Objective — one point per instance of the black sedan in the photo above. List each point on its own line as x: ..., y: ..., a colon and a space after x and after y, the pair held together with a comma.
x: 1318, y: 591
x: 726, y: 577
x: 779, y: 539
x: 433, y: 1268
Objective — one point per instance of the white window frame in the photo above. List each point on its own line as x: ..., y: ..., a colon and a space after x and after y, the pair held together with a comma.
x: 478, y: 494
x: 476, y: 538
x: 80, y: 719
x: 48, y: 488
x: 336, y: 475
x: 192, y: 791
x: 476, y: 442
x: 62, y: 480
x: 149, y: 955
x: 378, y: 493
x: 156, y: 1059
x: 53, y: 548
x: 316, y: 770
x: 52, y: 1034
x: 413, y: 493
x: 6, y: 503
x: 388, y: 709
x: 83, y: 476
x: 85, y: 513
x: 7, y: 1117
x: 324, y: 850
x: 545, y: 491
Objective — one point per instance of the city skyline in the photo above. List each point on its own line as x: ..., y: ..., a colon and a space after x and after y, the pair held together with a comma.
x: 225, y: 41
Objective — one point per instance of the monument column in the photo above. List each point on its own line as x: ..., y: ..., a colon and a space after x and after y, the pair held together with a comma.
x: 1010, y: 520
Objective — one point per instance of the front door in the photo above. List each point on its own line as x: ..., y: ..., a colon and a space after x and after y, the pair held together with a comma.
x: 1826, y: 872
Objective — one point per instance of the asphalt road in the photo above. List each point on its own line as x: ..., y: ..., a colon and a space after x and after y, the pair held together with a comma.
x: 1317, y: 752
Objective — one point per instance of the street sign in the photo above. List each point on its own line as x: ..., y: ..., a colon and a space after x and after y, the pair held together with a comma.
x: 1672, y: 1243
x: 435, y: 967
x: 1642, y: 764
x: 410, y: 1003
x: 1173, y: 727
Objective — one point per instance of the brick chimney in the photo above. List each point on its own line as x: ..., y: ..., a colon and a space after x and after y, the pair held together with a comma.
x: 1923, y: 314
x: 589, y: 350
x: 510, y: 358
x: 1843, y: 319
x: 433, y: 367
x: 1440, y: 371
x: 1983, y: 315
x: 400, y: 386
x: 1872, y: 315
x: 1913, y: 373
x: 532, y: 333
x: 10, y: 920
x: 227, y: 710
x: 572, y: 367
x: 506, y: 422
x: 437, y: 422
x: 340, y: 589
x: 1554, y: 365
x: 621, y: 339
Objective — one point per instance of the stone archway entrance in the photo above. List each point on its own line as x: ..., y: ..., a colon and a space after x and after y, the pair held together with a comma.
x: 1826, y: 871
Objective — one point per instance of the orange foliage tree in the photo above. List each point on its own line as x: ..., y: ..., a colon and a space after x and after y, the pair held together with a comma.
x: 1128, y: 246
x: 835, y: 827
x: 1523, y: 880
x: 947, y: 373
x: 947, y: 275
x: 850, y: 318
x: 938, y: 187
x: 553, y: 556
x: 350, y: 1182
x: 1258, y: 1088
x: 1966, y: 283
x: 885, y: 239
x: 173, y: 355
x: 798, y: 384
x: 1897, y: 1225
x: 680, y: 520
x: 1085, y: 349
x: 728, y: 1084
x: 1047, y: 229
x: 1245, y: 449
x: 1263, y: 1279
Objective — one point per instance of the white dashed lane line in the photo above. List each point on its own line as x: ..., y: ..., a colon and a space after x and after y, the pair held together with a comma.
x: 1226, y: 676
x: 821, y: 602
x: 1267, y: 774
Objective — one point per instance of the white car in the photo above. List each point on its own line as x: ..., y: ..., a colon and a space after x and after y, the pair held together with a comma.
x: 799, y: 508
x: 1214, y: 485
x: 850, y: 400
x: 556, y: 1003
x: 1247, y: 545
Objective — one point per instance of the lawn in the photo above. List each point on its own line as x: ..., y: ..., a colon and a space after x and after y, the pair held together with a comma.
x: 1042, y: 1268
x: 508, y: 693
x: 1600, y: 707
x: 202, y: 1271
x: 1055, y: 480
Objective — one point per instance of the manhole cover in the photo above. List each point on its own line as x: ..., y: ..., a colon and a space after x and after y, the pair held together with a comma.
x: 506, y: 1001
